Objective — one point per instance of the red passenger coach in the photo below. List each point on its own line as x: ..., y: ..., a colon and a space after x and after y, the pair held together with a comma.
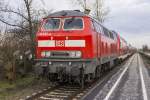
x: 72, y: 46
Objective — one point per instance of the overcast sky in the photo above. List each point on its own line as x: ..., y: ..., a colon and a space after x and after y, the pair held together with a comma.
x: 130, y: 18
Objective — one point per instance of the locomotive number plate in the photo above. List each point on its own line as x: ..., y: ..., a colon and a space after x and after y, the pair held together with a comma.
x: 60, y: 43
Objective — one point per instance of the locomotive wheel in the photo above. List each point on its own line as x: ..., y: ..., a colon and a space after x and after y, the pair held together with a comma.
x: 89, y: 77
x: 82, y: 78
x: 98, y: 72
x: 45, y: 73
x: 116, y: 62
x: 82, y: 81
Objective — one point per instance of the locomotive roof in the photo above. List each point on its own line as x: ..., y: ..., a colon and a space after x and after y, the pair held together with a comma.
x: 67, y: 13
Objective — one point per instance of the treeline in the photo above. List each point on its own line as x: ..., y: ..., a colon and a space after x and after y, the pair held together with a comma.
x: 145, y: 48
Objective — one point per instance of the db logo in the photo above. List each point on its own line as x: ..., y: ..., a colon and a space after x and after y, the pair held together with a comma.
x: 60, y: 43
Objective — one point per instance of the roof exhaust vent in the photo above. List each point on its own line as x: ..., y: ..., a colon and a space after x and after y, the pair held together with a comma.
x: 63, y: 13
x: 77, y: 10
x: 87, y: 11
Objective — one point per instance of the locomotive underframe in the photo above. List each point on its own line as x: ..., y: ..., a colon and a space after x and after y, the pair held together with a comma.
x: 71, y: 67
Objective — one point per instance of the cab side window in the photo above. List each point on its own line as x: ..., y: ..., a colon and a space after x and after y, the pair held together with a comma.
x: 106, y: 32
x: 97, y: 27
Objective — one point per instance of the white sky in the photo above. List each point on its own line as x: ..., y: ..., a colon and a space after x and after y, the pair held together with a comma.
x: 130, y: 18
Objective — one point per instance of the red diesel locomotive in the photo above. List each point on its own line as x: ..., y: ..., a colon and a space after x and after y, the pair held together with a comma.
x: 72, y: 46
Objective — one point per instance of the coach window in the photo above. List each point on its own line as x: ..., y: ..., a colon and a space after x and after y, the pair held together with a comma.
x: 106, y: 32
x: 100, y: 29
x: 121, y: 43
x: 115, y: 35
x: 111, y: 35
x: 73, y: 23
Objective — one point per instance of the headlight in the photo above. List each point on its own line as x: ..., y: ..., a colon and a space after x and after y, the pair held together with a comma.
x: 43, y: 54
x: 75, y: 54
x: 72, y: 54
x: 48, y: 54
x: 78, y: 54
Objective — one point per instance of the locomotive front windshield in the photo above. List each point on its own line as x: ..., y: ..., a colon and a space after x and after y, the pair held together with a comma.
x: 52, y: 24
x: 73, y: 23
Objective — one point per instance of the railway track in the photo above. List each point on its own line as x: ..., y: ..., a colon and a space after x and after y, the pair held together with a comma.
x: 71, y: 92
x: 60, y: 92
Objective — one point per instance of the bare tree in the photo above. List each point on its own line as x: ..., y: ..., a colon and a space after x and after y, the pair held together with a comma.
x: 28, y: 18
x: 1, y: 2
x: 12, y: 46
x: 8, y: 45
x: 19, y: 36
x: 100, y: 11
x: 145, y: 48
x: 82, y: 3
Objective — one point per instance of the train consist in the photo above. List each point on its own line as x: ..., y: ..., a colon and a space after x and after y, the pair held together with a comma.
x: 74, y: 47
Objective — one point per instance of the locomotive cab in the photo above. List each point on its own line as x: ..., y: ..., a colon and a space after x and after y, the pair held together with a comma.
x: 68, y: 34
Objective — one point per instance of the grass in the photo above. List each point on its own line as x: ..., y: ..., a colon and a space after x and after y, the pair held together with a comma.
x: 7, y: 89
x: 5, y: 85
x: 24, y: 81
x: 19, y: 82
